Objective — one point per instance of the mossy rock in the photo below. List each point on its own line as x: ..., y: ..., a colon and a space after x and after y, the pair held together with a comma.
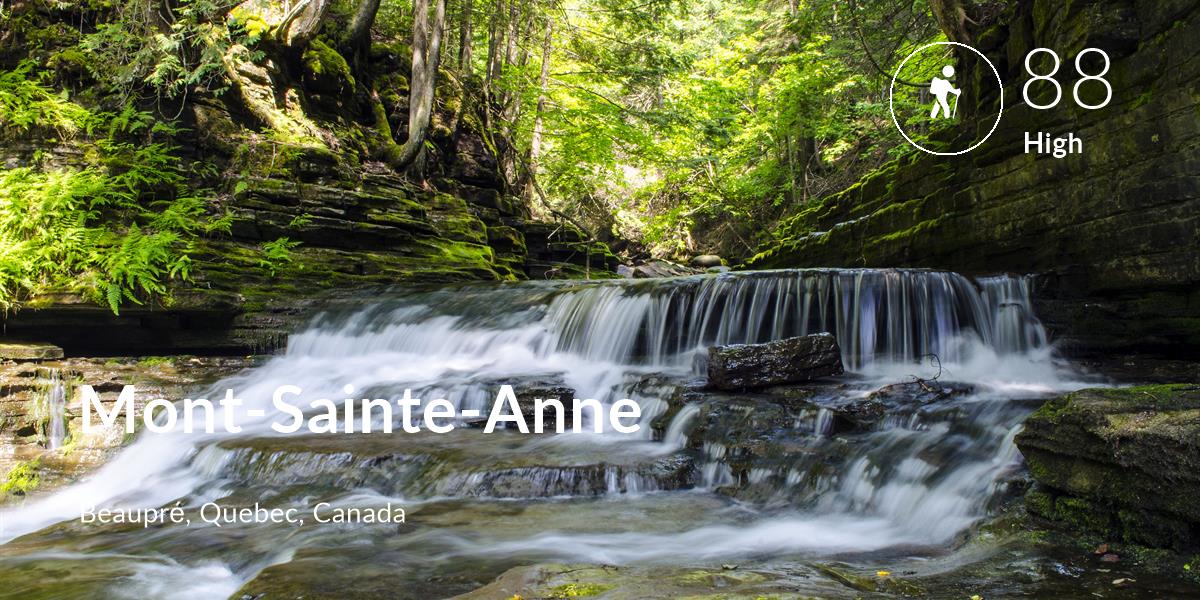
x: 1122, y: 462
x: 325, y: 70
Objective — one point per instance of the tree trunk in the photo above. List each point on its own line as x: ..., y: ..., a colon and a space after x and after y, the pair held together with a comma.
x: 301, y: 24
x: 535, y: 140
x: 427, y: 49
x: 465, y: 37
x: 955, y: 17
x: 357, y: 42
x: 495, y: 38
x: 360, y: 26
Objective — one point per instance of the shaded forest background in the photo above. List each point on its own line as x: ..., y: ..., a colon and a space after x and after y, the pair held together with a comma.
x: 662, y: 127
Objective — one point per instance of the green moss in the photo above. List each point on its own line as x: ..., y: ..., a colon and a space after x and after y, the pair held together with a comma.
x: 579, y: 590
x: 22, y: 479
x: 70, y: 58
x: 154, y: 361
x: 467, y: 252
x: 1041, y: 502
x: 1083, y: 515
x: 323, y: 61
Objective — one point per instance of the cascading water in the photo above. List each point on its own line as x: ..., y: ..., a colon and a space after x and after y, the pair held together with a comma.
x: 916, y: 477
x: 54, y: 403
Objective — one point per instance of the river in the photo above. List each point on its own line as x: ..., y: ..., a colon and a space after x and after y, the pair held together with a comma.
x: 792, y: 484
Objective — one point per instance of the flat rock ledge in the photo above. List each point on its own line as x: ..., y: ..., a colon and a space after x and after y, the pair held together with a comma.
x: 30, y: 351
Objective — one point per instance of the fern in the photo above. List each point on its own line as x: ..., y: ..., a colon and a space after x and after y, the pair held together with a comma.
x: 115, y: 229
x: 277, y: 254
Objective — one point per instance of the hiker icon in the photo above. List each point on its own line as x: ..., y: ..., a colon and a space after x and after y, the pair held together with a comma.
x: 940, y: 88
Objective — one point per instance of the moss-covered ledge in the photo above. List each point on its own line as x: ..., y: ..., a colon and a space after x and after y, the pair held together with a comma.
x: 1120, y: 463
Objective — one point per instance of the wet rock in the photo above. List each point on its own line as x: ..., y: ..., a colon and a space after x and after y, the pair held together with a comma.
x: 705, y: 261
x: 661, y: 268
x: 26, y: 389
x: 459, y: 464
x: 1123, y: 463
x: 562, y: 251
x: 527, y: 394
x: 791, y: 360
x: 30, y: 351
x: 632, y: 582
x: 866, y: 413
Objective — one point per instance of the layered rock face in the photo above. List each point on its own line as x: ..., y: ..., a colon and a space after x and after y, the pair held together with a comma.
x: 41, y: 406
x: 1120, y: 463
x: 1111, y: 231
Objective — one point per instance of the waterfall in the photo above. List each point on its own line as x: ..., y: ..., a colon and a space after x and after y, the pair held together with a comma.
x: 54, y: 403
x: 615, y: 339
x: 876, y: 315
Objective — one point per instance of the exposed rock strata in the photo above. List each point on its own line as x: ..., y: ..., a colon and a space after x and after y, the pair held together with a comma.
x: 1120, y: 463
x: 1113, y: 231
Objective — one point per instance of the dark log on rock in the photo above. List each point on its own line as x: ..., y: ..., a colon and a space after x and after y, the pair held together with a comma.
x: 661, y: 268
x: 791, y: 360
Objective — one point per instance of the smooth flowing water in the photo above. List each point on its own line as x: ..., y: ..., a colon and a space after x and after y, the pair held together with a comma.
x: 56, y: 402
x: 792, y: 474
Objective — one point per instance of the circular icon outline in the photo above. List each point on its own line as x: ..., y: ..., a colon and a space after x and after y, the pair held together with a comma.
x: 892, y: 96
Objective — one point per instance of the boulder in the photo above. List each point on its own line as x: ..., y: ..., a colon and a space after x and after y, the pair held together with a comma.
x: 1123, y: 463
x: 705, y: 261
x: 527, y: 392
x: 790, y: 360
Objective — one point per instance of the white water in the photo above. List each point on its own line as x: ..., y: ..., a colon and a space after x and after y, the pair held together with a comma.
x: 599, y: 339
x: 56, y: 402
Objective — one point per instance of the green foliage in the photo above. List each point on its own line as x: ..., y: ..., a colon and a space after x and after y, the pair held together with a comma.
x: 277, y: 254
x: 673, y: 120
x: 172, y: 53
x: 300, y: 221
x: 26, y: 103
x: 22, y: 479
x: 115, y: 229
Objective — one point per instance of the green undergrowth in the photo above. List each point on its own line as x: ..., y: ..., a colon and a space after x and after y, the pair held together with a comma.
x: 22, y: 479
x: 117, y: 224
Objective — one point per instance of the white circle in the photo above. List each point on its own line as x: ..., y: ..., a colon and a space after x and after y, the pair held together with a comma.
x: 892, y: 93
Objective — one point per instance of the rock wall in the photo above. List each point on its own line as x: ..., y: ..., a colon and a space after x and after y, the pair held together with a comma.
x: 1112, y: 232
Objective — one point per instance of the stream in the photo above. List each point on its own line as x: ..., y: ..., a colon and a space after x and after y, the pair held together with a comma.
x: 784, y: 482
